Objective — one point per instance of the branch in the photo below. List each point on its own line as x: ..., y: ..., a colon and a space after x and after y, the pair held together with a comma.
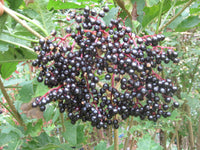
x: 120, y: 3
x: 173, y: 18
x: 10, y: 103
x: 10, y: 12
x: 116, y: 138
x: 160, y: 15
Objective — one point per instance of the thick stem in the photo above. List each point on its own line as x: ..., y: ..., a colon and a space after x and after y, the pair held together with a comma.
x: 129, y: 134
x: 163, y: 139
x: 160, y: 15
x: 174, y: 135
x: 190, y: 128
x: 8, y: 109
x: 198, y: 135
x: 110, y: 135
x: 177, y: 140
x: 31, y: 21
x: 173, y: 18
x: 120, y: 3
x: 11, y: 105
x: 63, y: 127
x: 116, y: 138
x: 9, y: 12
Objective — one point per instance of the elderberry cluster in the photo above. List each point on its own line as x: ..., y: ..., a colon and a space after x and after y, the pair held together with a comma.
x: 97, y: 71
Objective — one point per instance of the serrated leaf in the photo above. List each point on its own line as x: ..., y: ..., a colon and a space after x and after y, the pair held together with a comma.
x: 41, y: 89
x: 71, y: 133
x: 150, y: 3
x: 74, y: 134
x: 59, y: 4
x: 48, y: 146
x: 16, y: 55
x: 7, y: 37
x: 44, y: 15
x: 34, y: 130
x: 48, y: 114
x: 3, y: 19
x: 149, y: 143
x: 188, y: 23
x: 7, y: 129
x: 7, y: 138
x: 3, y: 46
x: 7, y: 69
x: 110, y: 15
x: 179, y: 19
x: 15, y: 4
x: 81, y: 134
x: 26, y: 92
x: 56, y: 115
x: 152, y: 12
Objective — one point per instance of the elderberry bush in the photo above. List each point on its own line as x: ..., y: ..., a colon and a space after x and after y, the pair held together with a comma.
x: 97, y: 71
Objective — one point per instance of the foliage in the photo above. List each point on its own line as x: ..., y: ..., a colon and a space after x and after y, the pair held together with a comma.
x: 50, y: 132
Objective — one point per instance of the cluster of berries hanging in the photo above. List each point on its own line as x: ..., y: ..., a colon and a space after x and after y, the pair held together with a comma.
x: 97, y: 71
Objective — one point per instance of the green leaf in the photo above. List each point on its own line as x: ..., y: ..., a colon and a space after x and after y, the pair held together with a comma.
x: 6, y: 37
x: 48, y: 114
x: 71, y: 133
x: 150, y: 3
x: 149, y: 143
x: 188, y: 23
x: 34, y: 130
x: 48, y: 147
x: 4, y: 46
x: 74, y: 134
x: 101, y: 146
x: 16, y: 55
x: 41, y: 89
x: 140, y: 7
x: 7, y: 69
x: 59, y: 4
x: 8, y: 138
x: 179, y: 19
x: 110, y: 15
x: 152, y: 12
x: 81, y: 138
x: 26, y: 91
x: 44, y: 16
x: 56, y: 115
x: 3, y: 19
x: 15, y: 4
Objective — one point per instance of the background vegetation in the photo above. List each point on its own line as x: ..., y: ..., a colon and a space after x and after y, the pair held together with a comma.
x: 24, y: 127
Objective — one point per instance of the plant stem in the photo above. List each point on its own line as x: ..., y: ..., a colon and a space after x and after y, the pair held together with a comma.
x: 10, y: 103
x: 31, y: 21
x: 8, y: 109
x: 173, y: 18
x: 10, y: 12
x: 18, y: 44
x: 62, y: 122
x: 120, y: 3
x: 168, y: 13
x: 110, y: 135
x: 159, y: 16
x: 23, y: 38
x: 174, y: 135
x: 128, y: 136
x: 116, y: 138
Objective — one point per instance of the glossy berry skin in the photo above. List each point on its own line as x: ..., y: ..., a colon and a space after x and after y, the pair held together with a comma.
x: 97, y: 71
